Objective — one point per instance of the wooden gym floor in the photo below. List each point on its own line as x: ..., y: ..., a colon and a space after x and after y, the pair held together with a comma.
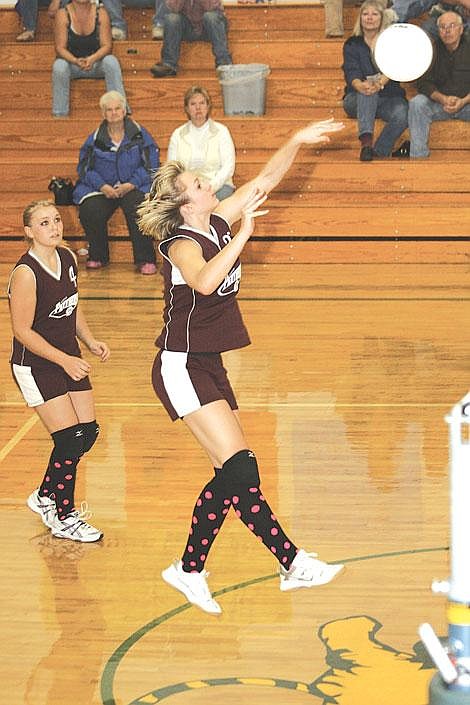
x: 343, y: 395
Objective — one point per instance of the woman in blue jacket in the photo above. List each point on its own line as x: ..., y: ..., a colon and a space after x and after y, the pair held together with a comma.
x: 369, y: 94
x: 115, y: 171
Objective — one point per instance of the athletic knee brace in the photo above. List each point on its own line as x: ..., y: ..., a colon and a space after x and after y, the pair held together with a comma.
x: 91, y: 430
x: 68, y: 442
x: 240, y: 472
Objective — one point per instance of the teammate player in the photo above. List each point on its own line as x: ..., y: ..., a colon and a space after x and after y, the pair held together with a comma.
x: 48, y: 367
x: 201, y: 320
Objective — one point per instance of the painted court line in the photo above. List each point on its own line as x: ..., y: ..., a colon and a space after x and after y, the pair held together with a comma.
x: 27, y: 426
x: 278, y: 404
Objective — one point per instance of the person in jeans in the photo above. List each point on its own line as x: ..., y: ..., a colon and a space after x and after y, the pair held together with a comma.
x: 204, y: 145
x: 115, y: 166
x: 370, y: 95
x: 83, y: 46
x: 192, y: 21
x: 444, y: 90
x: 118, y: 22
x: 28, y: 12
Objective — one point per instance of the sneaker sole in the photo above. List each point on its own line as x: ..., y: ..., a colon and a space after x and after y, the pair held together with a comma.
x: 31, y: 502
x: 170, y: 576
x: 81, y: 539
x: 287, y: 585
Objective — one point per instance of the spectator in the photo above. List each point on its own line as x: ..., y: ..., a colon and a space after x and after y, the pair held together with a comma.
x: 28, y: 11
x: 444, y: 90
x: 334, y: 26
x: 406, y: 10
x: 83, y: 46
x: 118, y: 23
x: 370, y: 95
x: 114, y: 169
x: 204, y: 145
x: 192, y: 21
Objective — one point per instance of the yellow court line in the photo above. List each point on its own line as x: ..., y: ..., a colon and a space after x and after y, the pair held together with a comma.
x: 18, y: 436
x: 277, y: 404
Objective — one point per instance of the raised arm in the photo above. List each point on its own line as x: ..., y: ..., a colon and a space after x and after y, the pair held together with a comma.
x: 276, y: 168
x: 204, y: 276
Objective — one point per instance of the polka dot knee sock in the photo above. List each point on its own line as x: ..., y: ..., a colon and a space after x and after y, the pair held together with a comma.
x: 254, y: 511
x: 210, y: 510
x: 242, y: 483
x: 59, y: 480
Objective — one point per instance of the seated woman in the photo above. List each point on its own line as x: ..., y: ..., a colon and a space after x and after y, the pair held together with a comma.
x: 114, y: 169
x: 83, y: 44
x: 203, y: 145
x: 369, y: 94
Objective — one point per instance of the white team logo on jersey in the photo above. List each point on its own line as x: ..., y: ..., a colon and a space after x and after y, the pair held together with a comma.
x: 65, y: 307
x: 231, y: 283
x: 72, y: 276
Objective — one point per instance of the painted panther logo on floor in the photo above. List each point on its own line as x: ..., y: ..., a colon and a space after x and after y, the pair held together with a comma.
x: 362, y: 670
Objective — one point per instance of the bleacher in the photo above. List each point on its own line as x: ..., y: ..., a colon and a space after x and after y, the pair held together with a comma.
x: 330, y: 207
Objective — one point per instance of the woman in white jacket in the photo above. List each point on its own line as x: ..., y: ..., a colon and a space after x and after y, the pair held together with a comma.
x: 204, y: 145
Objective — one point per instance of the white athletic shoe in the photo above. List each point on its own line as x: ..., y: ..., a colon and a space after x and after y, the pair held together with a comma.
x: 193, y: 586
x: 75, y: 527
x: 307, y: 571
x: 44, y: 506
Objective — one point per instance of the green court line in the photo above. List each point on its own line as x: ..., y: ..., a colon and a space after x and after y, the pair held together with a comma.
x: 109, y: 671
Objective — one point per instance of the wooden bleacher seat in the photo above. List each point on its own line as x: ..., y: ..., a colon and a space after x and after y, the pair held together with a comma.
x: 330, y: 206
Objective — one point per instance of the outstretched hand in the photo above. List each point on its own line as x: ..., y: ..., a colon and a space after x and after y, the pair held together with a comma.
x: 250, y: 211
x: 317, y: 132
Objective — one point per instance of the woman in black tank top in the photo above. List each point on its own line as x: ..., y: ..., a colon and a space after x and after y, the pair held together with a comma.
x: 83, y: 44
x: 200, y: 267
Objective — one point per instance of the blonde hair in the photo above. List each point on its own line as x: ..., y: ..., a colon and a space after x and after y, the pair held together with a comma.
x: 197, y: 90
x: 30, y: 210
x: 388, y: 17
x: 158, y: 215
x: 109, y: 96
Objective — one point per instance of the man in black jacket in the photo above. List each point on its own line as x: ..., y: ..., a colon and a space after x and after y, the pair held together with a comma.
x: 444, y: 90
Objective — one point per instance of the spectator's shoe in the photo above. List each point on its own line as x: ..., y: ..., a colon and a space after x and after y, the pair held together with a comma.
x: 94, y: 264
x: 307, y: 571
x: 118, y: 34
x: 193, y: 586
x: 75, y: 527
x: 26, y: 36
x: 44, y: 506
x: 157, y: 32
x: 403, y: 151
x: 334, y: 35
x: 162, y: 71
x: 148, y: 268
x: 367, y: 154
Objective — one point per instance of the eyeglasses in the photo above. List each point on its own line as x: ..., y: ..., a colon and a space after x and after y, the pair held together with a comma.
x: 449, y: 27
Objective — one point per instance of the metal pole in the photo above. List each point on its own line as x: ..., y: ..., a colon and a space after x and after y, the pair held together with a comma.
x: 451, y: 685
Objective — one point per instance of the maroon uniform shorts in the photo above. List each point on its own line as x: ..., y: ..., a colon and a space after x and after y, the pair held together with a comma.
x: 41, y: 383
x: 184, y: 382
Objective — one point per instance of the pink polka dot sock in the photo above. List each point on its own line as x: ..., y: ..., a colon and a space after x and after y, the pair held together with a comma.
x: 210, y: 510
x: 242, y: 485
x: 254, y: 511
x: 59, y: 479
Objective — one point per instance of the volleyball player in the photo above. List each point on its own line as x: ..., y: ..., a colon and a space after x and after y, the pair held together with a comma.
x: 202, y: 271
x: 47, y: 365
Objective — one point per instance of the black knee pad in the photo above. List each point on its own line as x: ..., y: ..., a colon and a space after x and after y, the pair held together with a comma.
x: 91, y: 430
x: 240, y: 472
x: 68, y: 443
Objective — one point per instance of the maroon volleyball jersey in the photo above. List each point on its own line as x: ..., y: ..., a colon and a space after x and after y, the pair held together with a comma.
x: 55, y: 317
x: 195, y: 322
